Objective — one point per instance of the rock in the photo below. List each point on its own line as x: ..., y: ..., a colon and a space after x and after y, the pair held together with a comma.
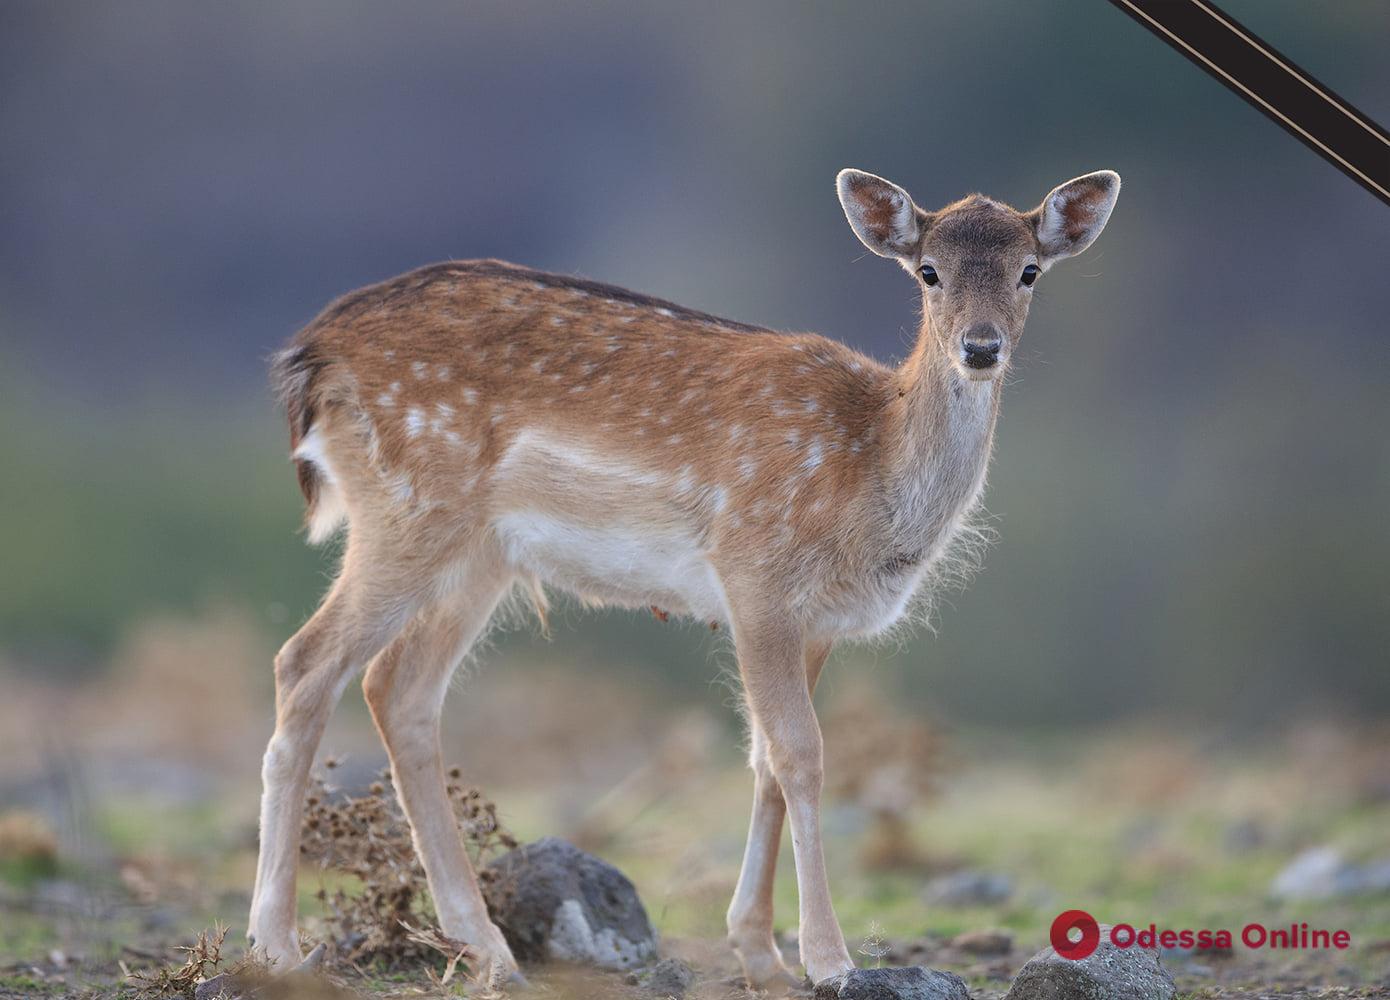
x: 915, y: 983
x: 1108, y: 973
x: 1322, y: 873
x: 968, y: 888
x: 984, y: 942
x: 668, y: 978
x: 224, y: 984
x: 1311, y: 875
x: 1244, y: 836
x: 556, y: 902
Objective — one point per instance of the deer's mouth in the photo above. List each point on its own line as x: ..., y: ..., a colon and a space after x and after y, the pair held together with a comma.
x: 981, y: 367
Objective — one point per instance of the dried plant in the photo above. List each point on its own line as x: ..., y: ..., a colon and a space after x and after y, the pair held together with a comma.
x: 204, y: 956
x: 874, y: 946
x: 387, y: 919
x: 887, y: 763
x: 28, y: 846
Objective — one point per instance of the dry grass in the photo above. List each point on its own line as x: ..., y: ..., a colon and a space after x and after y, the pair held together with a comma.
x: 203, y: 958
x: 384, y: 916
x: 886, y: 763
x: 27, y: 843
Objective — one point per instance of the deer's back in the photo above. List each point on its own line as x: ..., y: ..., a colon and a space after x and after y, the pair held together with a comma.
x: 605, y: 437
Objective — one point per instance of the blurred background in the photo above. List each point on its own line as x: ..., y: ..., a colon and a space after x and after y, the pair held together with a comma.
x: 1192, y: 470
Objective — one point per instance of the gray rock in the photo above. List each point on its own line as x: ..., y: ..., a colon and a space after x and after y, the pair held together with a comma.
x: 1245, y: 835
x: 1322, y: 873
x: 555, y: 902
x: 915, y: 983
x: 220, y: 985
x: 668, y: 978
x: 1108, y: 973
x: 968, y: 888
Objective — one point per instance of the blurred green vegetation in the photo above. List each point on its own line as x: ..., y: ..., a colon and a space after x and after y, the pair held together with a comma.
x: 1191, y: 472
x: 110, y: 518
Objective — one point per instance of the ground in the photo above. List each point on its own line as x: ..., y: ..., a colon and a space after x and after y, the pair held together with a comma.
x: 1147, y: 824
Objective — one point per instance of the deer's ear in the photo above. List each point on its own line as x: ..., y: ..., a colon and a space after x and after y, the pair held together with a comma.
x: 1073, y: 214
x: 880, y: 213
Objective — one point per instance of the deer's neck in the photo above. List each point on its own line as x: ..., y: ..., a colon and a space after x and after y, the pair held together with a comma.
x: 937, y: 438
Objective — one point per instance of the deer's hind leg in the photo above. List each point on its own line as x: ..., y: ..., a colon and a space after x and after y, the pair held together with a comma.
x: 363, y: 612
x: 405, y: 688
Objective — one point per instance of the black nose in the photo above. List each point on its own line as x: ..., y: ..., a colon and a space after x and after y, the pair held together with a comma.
x: 982, y: 344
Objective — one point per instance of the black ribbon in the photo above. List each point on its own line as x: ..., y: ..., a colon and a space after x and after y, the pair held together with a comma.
x: 1271, y: 82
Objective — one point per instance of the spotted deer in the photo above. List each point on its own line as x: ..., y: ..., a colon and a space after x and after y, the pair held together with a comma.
x: 481, y: 428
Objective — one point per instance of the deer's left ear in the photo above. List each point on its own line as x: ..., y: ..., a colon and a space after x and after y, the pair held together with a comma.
x: 1073, y: 214
x: 881, y: 214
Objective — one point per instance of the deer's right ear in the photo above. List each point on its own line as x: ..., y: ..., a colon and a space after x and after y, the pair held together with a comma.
x: 881, y: 214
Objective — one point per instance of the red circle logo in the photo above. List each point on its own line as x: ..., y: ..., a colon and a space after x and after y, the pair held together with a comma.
x: 1065, y: 924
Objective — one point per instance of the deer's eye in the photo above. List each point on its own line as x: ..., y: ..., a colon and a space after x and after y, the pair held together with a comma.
x: 1030, y: 274
x: 929, y: 276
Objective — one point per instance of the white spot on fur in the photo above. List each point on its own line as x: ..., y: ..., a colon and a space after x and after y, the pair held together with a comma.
x: 815, y: 454
x: 414, y: 421
x: 470, y: 396
x: 417, y: 368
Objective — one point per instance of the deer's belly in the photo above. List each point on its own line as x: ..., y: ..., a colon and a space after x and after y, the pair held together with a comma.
x: 614, y: 563
x: 597, y: 525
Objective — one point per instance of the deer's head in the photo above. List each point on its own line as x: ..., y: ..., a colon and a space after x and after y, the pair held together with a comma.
x: 977, y: 260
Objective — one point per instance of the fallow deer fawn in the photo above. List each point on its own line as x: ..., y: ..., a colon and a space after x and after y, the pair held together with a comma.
x: 478, y: 425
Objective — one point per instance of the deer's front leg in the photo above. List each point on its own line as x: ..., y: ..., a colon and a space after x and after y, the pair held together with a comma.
x: 772, y: 661
x: 750, y: 913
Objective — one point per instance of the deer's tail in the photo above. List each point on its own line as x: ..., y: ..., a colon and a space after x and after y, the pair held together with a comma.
x: 296, y: 373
